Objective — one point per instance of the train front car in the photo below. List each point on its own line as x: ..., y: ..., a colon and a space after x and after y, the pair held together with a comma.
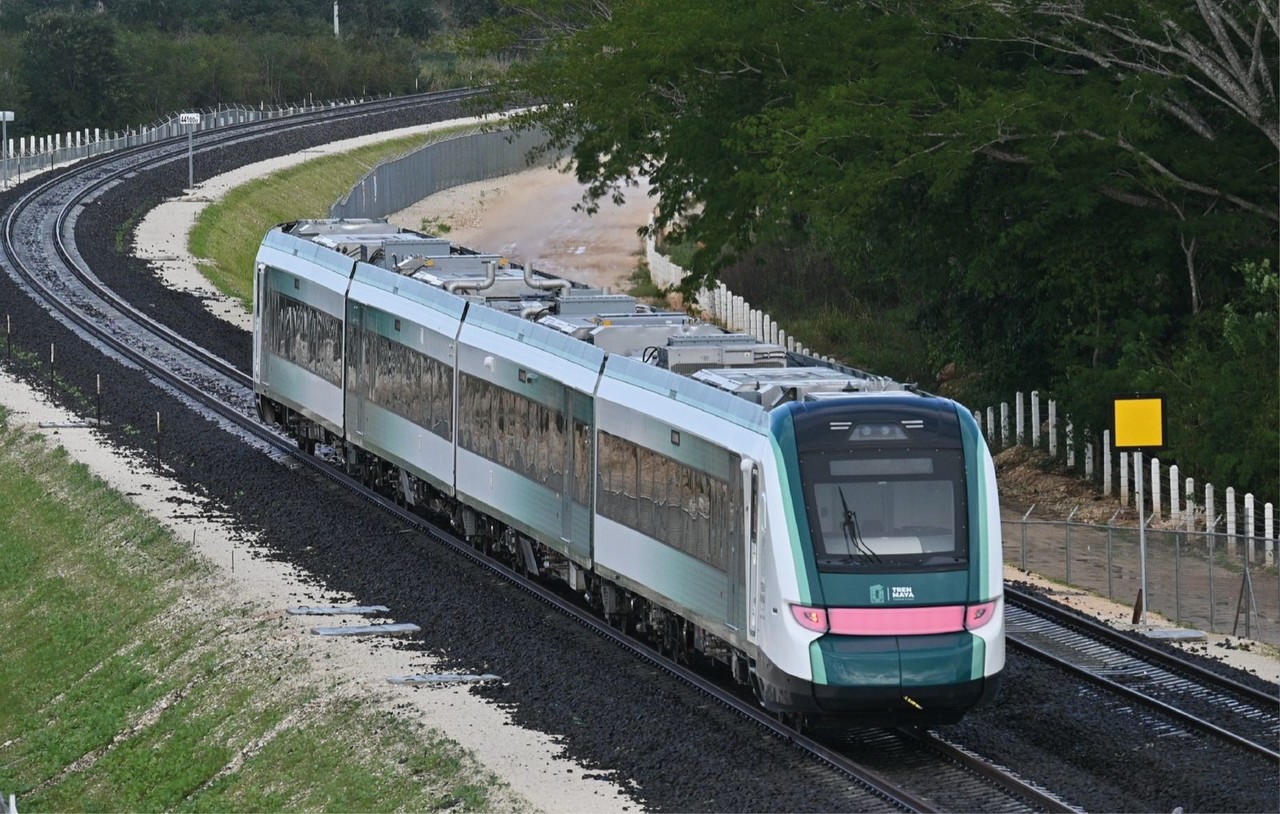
x: 887, y: 563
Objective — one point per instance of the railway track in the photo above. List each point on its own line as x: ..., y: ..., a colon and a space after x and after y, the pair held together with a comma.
x: 927, y: 774
x: 38, y: 245
x: 1190, y: 696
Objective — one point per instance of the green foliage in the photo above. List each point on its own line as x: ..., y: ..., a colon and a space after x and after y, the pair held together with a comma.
x: 1223, y: 386
x: 1028, y: 194
x: 67, y: 64
x: 72, y: 59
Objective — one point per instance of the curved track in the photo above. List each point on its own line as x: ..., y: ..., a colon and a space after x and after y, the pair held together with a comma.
x: 1190, y: 695
x: 35, y: 243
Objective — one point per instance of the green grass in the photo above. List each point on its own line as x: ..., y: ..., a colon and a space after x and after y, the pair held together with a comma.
x: 227, y: 233
x: 115, y: 695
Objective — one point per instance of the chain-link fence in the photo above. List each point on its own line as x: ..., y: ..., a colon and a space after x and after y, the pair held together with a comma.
x: 1215, y: 582
x: 401, y: 182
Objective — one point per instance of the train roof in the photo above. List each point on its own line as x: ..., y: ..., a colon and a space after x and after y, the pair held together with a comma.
x: 762, y: 373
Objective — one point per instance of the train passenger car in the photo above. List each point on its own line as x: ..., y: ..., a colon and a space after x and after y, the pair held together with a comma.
x: 830, y: 536
x: 401, y: 353
x: 300, y: 290
x: 674, y: 490
x: 524, y: 428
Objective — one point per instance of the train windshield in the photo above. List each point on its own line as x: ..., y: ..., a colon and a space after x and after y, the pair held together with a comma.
x: 886, y: 507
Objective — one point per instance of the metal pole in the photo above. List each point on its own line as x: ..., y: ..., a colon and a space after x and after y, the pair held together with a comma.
x: 1142, y: 533
x: 1212, y: 534
x: 191, y: 184
x: 4, y: 147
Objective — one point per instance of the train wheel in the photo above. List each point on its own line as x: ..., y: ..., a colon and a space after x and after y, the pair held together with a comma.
x: 795, y: 720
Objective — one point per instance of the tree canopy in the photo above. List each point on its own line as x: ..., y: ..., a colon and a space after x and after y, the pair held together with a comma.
x: 1055, y: 195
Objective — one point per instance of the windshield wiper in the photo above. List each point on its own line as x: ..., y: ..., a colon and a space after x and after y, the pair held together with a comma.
x: 851, y: 533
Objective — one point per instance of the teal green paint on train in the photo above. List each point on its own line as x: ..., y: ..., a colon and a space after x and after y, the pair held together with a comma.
x: 783, y: 440
x: 975, y: 463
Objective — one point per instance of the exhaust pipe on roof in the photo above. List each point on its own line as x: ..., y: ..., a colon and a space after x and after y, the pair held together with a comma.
x: 490, y: 277
x: 545, y: 285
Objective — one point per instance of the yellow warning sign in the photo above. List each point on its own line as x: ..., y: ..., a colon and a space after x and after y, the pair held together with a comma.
x: 1138, y: 422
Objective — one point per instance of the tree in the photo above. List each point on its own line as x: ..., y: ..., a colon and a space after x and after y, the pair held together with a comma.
x: 1209, y: 67
x: 71, y: 58
x: 1045, y: 190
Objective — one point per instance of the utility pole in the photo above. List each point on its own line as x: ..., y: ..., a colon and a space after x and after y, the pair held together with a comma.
x: 335, y: 20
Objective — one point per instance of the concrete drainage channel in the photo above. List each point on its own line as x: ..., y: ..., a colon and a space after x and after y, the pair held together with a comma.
x: 385, y: 629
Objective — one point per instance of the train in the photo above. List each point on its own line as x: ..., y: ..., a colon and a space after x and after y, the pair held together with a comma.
x: 828, y: 538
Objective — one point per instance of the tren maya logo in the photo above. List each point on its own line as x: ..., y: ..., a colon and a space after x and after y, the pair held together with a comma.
x: 896, y: 593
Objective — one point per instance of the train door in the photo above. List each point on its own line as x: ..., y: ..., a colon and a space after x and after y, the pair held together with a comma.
x: 580, y: 467
x: 751, y: 513
x: 259, y: 308
x: 740, y: 542
x: 354, y: 369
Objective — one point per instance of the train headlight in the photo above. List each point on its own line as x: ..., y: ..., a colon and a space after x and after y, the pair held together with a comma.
x: 810, y: 618
x: 978, y: 615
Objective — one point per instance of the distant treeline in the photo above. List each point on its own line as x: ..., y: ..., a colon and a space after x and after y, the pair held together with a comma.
x: 71, y: 64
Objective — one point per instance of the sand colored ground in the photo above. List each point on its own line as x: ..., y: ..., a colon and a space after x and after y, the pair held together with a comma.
x: 531, y: 217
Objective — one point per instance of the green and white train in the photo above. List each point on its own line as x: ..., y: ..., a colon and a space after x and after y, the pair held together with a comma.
x: 831, y: 536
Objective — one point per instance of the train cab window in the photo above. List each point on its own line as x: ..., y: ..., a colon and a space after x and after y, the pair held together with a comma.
x: 889, y: 508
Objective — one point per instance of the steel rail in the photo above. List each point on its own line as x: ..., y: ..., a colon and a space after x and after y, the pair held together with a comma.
x: 170, y: 150
x: 1146, y: 650
x: 1096, y: 665
x: 1003, y: 780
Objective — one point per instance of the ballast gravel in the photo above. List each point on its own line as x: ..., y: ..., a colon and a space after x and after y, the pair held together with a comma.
x: 677, y: 750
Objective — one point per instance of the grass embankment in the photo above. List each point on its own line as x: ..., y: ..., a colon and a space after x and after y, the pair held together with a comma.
x: 127, y: 684
x: 227, y: 233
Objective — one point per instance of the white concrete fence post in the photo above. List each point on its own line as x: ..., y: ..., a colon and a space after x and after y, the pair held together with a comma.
x: 1269, y: 529
x: 1175, y: 507
x: 1250, y: 530
x: 1004, y: 424
x: 1035, y: 419
x: 1053, y: 429
x: 1231, y: 519
x: 1106, y: 463
x: 1155, y: 488
x: 1124, y: 479
x: 1189, y: 501
x: 1209, y: 520
x: 1020, y: 436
